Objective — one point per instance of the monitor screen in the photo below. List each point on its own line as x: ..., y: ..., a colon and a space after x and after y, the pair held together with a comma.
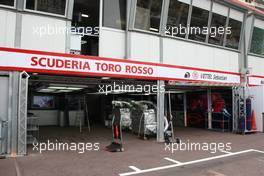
x: 43, y: 102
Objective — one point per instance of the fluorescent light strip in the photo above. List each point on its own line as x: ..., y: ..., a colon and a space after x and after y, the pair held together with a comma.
x: 154, y: 29
x: 73, y: 88
x: 46, y: 90
x: 66, y: 88
x: 57, y: 87
x: 106, y: 78
x: 63, y: 91
x: 85, y: 16
x: 68, y: 85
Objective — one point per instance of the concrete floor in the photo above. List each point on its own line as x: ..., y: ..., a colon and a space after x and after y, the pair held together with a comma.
x: 138, y: 153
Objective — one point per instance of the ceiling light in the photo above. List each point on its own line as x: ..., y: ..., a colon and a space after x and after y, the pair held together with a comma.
x: 153, y: 29
x: 65, y: 88
x: 106, y: 78
x: 46, y: 90
x: 85, y: 15
x: 73, y: 88
x: 68, y: 85
x: 64, y: 91
x: 60, y: 88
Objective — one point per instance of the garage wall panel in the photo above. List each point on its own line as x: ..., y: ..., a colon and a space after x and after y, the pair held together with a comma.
x: 226, y: 60
x: 46, y: 117
x: 177, y: 52
x: 220, y: 9
x: 203, y: 4
x: 43, y: 33
x: 145, y: 47
x: 7, y: 28
x: 257, y: 65
x: 112, y: 43
x: 259, y: 23
x: 233, y: 61
x: 237, y: 15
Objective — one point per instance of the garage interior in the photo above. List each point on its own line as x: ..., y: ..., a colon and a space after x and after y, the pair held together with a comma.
x: 74, y: 104
x: 72, y: 108
x: 191, y: 104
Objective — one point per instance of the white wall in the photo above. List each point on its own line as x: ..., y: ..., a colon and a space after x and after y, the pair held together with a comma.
x: 51, y: 38
x: 184, y: 53
x: 7, y: 28
x: 46, y: 117
x: 145, y: 47
x: 258, y: 104
x: 112, y: 43
x: 259, y: 23
x: 53, y: 117
x: 257, y: 65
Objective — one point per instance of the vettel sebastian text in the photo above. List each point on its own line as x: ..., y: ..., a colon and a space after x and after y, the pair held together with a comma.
x: 92, y: 65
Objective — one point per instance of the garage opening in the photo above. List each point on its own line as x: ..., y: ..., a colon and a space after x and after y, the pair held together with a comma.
x: 198, y: 106
x: 74, y: 108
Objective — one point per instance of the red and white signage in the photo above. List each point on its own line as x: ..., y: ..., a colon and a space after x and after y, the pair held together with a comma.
x: 256, y: 80
x: 45, y: 62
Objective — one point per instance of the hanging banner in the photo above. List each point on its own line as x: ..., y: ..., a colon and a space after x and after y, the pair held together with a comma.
x: 54, y: 63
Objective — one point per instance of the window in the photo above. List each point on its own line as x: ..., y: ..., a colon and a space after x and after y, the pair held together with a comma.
x: 115, y: 14
x: 148, y: 14
x: 7, y: 2
x: 199, y: 21
x: 232, y: 40
x: 217, y: 29
x: 177, y: 18
x: 50, y: 6
x: 257, y: 44
x: 85, y: 22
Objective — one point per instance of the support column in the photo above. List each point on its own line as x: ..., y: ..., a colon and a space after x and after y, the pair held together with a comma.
x: 22, y: 114
x: 129, y: 25
x: 209, y: 102
x: 17, y: 113
x: 13, y: 113
x: 18, y: 27
x: 69, y: 14
x: 235, y: 110
x: 185, y: 109
x: 69, y: 11
x: 160, y: 112
x: 161, y: 95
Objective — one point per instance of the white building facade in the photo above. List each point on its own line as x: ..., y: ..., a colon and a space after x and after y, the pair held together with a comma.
x: 130, y: 32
